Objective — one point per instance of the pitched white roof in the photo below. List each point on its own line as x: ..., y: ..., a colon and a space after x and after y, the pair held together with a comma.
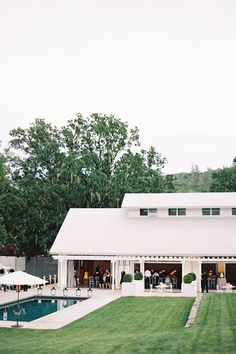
x: 112, y: 232
x: 176, y: 200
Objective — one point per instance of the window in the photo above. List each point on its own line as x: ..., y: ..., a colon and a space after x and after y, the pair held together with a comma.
x: 206, y: 211
x: 152, y: 212
x: 143, y: 212
x: 179, y: 211
x: 233, y: 211
x: 148, y: 212
x: 210, y: 211
x: 172, y: 211
x: 215, y: 211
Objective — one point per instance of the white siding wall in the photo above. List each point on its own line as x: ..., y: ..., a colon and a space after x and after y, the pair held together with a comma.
x: 226, y: 212
x: 162, y: 212
x: 133, y: 212
x: 16, y: 263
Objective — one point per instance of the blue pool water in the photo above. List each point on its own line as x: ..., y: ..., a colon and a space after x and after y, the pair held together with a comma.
x: 36, y: 307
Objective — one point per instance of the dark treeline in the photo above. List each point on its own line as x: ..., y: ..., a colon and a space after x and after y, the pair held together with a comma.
x: 89, y: 163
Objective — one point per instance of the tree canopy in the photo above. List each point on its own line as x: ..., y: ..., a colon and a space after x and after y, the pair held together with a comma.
x: 224, y: 180
x: 90, y: 162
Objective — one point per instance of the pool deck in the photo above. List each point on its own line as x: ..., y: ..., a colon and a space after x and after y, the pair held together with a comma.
x: 100, y: 297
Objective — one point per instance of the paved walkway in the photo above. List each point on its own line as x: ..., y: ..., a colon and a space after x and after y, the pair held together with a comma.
x: 65, y: 316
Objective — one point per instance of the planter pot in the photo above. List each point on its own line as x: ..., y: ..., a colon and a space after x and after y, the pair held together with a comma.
x: 189, y: 289
x: 195, y: 284
x: 127, y: 289
x: 139, y: 286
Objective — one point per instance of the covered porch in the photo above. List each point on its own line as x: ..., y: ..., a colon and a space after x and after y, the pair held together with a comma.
x: 69, y: 264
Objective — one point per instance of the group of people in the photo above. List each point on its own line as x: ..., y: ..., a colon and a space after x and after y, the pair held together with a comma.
x: 101, y: 278
x: 221, y: 281
x: 153, y: 278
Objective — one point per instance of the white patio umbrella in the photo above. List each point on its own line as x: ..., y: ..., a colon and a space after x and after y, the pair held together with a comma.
x: 20, y: 278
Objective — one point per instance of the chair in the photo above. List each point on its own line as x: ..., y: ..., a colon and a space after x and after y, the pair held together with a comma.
x: 213, y: 283
x: 91, y: 281
x: 97, y: 282
x: 174, y: 282
x: 168, y: 288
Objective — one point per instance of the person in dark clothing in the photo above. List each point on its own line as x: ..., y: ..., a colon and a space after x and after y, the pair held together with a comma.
x: 122, y: 277
x: 204, y: 282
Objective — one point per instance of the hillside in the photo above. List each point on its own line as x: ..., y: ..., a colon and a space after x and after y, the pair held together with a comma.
x: 194, y: 181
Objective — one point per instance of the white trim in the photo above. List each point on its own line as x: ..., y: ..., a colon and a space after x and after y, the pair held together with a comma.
x: 148, y: 259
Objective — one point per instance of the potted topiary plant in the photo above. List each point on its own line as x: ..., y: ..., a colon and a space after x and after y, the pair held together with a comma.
x: 193, y: 276
x: 188, y: 287
x: 188, y: 278
x: 138, y: 282
x: 127, y: 285
x: 128, y: 278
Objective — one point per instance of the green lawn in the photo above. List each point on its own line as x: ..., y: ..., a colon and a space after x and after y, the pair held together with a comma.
x: 137, y: 325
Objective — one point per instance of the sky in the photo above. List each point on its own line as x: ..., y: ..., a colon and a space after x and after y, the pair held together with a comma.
x: 165, y: 66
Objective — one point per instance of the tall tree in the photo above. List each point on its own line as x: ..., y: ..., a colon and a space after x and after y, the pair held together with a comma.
x: 4, y: 188
x: 90, y: 162
x: 95, y: 145
x: 224, y: 180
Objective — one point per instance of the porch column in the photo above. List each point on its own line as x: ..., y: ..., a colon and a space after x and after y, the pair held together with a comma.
x: 113, y: 275
x: 142, y: 271
x: 199, y: 276
x: 62, y: 273
x: 117, y: 275
x: 132, y: 267
x: 70, y: 274
x: 142, y: 267
x: 183, y: 269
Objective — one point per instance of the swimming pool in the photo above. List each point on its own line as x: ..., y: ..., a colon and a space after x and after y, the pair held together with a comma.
x: 35, y: 307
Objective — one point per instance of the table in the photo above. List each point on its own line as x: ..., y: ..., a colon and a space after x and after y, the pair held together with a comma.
x: 163, y: 287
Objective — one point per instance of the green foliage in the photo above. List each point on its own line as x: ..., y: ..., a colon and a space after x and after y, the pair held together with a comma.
x: 188, y: 278
x: 138, y: 276
x: 221, y: 180
x: 4, y: 189
x: 194, y: 181
x: 193, y: 276
x: 224, y: 180
x: 91, y: 162
x: 127, y: 278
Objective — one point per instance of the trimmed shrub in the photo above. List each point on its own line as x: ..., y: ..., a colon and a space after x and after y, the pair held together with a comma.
x: 193, y: 276
x: 138, y: 276
x: 188, y: 278
x: 128, y: 278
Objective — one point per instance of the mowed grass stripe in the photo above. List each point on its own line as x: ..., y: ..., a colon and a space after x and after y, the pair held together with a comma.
x: 137, y: 325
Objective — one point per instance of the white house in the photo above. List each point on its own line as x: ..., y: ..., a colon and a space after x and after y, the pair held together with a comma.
x: 178, y: 231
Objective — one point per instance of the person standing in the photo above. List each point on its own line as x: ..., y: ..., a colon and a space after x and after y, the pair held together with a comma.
x: 155, y: 278
x: 107, y: 279
x: 204, y: 282
x: 122, y: 277
x: 147, y: 275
